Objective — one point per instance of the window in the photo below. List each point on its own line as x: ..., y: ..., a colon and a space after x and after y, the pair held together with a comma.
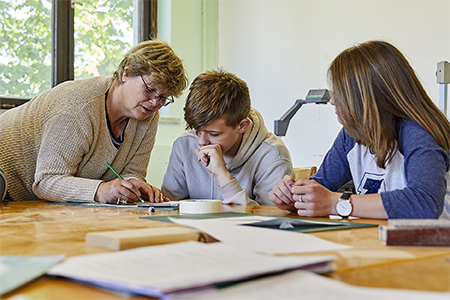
x: 25, y: 47
x: 87, y: 38
x: 103, y: 31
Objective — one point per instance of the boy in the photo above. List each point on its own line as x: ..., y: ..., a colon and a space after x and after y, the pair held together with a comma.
x: 230, y: 155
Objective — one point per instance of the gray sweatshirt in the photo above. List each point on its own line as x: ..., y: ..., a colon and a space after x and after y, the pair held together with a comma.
x: 262, y: 159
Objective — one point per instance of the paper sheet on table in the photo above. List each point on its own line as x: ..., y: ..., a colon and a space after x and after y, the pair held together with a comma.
x: 259, y: 239
x: 306, y: 285
x: 159, y: 270
x: 269, y: 220
x: 93, y: 204
x: 387, y: 253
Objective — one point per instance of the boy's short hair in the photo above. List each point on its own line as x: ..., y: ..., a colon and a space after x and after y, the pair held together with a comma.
x: 214, y: 94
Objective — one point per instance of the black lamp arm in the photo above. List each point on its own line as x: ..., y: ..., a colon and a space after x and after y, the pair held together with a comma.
x: 321, y: 96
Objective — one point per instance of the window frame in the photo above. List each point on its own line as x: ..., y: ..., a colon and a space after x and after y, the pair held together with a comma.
x: 63, y: 41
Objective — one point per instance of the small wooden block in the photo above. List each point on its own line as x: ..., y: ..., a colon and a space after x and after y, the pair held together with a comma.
x: 415, y: 236
x: 422, y: 232
x: 132, y: 238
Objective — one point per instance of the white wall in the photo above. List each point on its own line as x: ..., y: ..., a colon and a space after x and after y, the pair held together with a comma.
x: 190, y: 27
x: 283, y: 48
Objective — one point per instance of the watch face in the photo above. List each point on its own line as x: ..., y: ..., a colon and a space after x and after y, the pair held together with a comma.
x: 344, y: 208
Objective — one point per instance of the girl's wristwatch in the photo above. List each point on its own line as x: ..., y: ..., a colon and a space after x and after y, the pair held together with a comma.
x: 344, y: 206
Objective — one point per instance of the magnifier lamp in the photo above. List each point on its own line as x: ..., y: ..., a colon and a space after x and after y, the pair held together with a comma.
x: 321, y: 96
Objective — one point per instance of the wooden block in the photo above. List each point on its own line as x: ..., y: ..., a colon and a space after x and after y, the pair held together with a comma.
x: 126, y: 239
x: 416, y: 233
x: 304, y: 172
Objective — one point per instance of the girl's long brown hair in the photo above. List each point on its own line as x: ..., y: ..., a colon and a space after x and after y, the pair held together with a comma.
x: 374, y: 88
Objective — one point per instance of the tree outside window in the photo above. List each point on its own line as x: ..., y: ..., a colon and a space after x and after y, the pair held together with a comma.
x: 103, y: 33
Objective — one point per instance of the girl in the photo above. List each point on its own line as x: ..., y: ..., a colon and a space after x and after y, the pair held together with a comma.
x: 394, y: 144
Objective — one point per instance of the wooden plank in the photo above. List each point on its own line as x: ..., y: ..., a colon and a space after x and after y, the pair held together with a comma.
x: 132, y: 238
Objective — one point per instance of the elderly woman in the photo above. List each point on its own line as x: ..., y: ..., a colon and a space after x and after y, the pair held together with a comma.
x: 55, y: 147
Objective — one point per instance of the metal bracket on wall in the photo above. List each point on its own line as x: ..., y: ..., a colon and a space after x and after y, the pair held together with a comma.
x: 443, y: 78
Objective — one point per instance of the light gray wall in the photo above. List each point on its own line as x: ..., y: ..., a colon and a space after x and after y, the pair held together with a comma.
x: 191, y: 28
x: 283, y: 48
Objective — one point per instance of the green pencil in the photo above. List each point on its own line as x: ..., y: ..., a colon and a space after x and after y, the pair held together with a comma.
x: 120, y: 177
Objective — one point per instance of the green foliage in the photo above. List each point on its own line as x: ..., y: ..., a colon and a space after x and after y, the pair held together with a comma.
x: 25, y: 44
x: 103, y: 33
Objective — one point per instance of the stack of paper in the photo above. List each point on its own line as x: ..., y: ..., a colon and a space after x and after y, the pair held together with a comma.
x: 232, y: 232
x: 305, y: 285
x: 158, y: 271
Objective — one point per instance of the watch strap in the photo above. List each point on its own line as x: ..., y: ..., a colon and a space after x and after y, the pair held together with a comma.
x: 346, y: 196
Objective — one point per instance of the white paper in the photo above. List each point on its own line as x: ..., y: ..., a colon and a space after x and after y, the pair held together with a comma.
x: 241, y: 220
x: 391, y: 254
x: 306, y: 285
x: 258, y: 239
x: 158, y: 270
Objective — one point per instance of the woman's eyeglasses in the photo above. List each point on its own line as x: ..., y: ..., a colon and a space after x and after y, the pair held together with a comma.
x: 163, y: 101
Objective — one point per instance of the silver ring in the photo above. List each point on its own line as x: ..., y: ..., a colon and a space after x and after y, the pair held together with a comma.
x: 301, y: 200
x: 121, y: 201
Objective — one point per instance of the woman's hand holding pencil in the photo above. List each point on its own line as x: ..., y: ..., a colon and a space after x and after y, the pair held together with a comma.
x: 120, y: 177
x: 120, y: 191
